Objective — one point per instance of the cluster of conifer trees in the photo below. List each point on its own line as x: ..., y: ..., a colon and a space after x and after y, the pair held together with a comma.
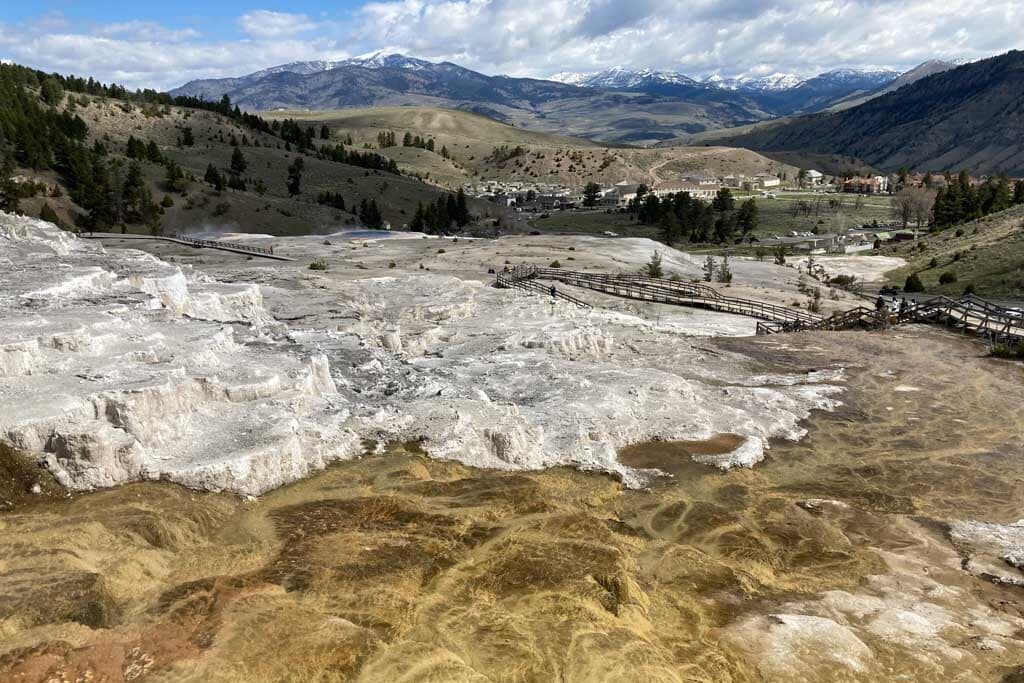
x: 682, y: 217
x: 437, y: 218
x: 960, y: 201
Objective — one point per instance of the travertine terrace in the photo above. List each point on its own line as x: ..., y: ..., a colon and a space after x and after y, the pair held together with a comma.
x: 118, y: 366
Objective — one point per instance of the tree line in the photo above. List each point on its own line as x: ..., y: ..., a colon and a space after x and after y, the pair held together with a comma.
x: 682, y: 217
x: 436, y: 218
x: 960, y: 201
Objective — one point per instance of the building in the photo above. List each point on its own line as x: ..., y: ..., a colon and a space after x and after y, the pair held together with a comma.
x: 874, y: 185
x: 705, y: 191
x: 813, y: 178
x: 763, y: 181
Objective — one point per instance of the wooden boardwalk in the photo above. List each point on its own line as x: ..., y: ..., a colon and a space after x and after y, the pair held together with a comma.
x: 233, y: 247
x: 657, y: 290
x: 970, y: 314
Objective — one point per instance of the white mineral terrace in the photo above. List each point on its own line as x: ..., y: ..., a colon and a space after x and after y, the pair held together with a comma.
x: 117, y: 366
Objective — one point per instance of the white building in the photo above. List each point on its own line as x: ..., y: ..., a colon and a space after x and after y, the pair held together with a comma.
x: 706, y: 191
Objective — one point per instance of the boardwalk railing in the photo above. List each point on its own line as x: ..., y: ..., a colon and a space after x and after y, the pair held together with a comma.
x: 658, y: 290
x: 970, y: 314
x: 517, y: 279
x: 217, y: 244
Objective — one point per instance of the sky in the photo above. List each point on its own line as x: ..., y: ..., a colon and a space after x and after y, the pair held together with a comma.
x: 163, y: 45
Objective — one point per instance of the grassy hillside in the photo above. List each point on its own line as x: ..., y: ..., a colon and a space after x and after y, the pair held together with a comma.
x: 195, y: 204
x: 987, y: 253
x: 470, y: 141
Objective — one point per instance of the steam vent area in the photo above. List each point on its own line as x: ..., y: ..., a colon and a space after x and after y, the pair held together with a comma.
x: 216, y: 466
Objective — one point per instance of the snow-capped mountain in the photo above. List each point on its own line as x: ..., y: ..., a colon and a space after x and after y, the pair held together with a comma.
x: 776, y: 81
x: 619, y: 78
x: 379, y: 60
x: 302, y: 68
x: 373, y: 60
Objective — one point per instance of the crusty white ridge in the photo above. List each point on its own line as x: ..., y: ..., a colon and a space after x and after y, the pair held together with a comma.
x: 116, y: 366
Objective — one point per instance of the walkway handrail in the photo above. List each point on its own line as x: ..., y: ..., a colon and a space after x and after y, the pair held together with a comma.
x: 970, y: 313
x: 652, y: 289
x: 195, y: 241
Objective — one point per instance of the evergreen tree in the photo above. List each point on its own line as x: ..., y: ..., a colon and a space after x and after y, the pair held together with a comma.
x: 591, y: 194
x: 8, y: 194
x: 238, y: 162
x: 668, y: 228
x: 913, y: 283
x: 153, y: 153
x: 295, y: 177
x: 461, y: 209
x: 747, y: 218
x: 51, y: 92
x: 1018, y: 192
x: 214, y: 177
x: 187, y: 139
x: 653, y: 267
x: 723, y: 201
x: 325, y: 132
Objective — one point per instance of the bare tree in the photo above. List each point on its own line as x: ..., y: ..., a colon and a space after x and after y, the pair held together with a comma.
x: 913, y: 204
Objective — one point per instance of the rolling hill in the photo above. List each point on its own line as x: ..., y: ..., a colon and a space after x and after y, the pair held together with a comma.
x: 969, y: 117
x: 471, y: 142
x: 987, y: 254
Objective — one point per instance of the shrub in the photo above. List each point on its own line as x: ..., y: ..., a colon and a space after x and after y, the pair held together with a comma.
x: 167, y: 202
x: 913, y: 283
x: 555, y: 264
x: 969, y: 289
x: 392, y: 264
x: 47, y: 214
x: 934, y: 263
x: 1007, y: 352
x: 947, y: 278
x: 318, y: 264
x: 959, y: 232
x: 440, y: 251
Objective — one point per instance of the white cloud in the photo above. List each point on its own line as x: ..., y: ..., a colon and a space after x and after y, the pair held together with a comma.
x: 263, y: 23
x: 540, y: 37
x: 537, y: 37
x: 146, y: 30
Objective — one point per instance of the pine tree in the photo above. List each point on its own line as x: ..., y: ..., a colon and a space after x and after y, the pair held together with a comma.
x: 461, y: 209
x: 653, y: 267
x: 238, y: 162
x: 747, y: 218
x: 709, y: 268
x: 295, y: 177
x: 325, y: 132
x: 214, y: 177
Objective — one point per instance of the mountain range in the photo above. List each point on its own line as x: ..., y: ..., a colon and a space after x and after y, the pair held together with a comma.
x: 616, y: 106
x: 971, y: 116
